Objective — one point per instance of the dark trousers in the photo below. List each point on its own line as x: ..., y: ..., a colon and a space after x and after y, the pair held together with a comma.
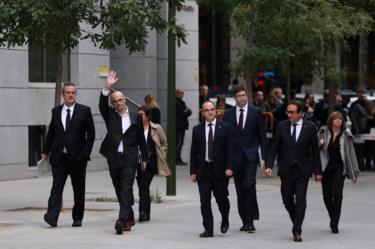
x: 245, y: 182
x: 333, y: 186
x: 360, y: 153
x: 123, y: 175
x: 180, y: 135
x: 370, y: 153
x: 207, y: 185
x: 293, y: 193
x: 144, y: 178
x: 60, y: 172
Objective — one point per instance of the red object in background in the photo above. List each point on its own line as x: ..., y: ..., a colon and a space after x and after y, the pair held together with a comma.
x: 261, y: 80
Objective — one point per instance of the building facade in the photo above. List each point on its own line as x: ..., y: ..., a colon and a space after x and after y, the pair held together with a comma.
x: 27, y: 91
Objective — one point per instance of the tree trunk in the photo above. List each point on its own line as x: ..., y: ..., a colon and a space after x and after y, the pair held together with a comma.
x: 363, y: 60
x: 58, y: 76
x: 288, y: 86
x: 249, y: 82
x: 332, y: 84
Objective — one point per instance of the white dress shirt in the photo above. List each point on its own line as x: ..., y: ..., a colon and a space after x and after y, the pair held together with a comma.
x: 64, y: 113
x: 207, y: 130
x: 298, y: 128
x: 125, y: 121
x: 238, y: 112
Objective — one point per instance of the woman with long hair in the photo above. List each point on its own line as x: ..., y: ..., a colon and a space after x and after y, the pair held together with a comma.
x: 157, y: 147
x: 154, y: 108
x: 338, y: 161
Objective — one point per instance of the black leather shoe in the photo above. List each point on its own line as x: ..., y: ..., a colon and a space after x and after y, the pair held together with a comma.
x: 77, y: 223
x: 206, y: 234
x: 50, y: 220
x: 119, y: 227
x: 244, y: 228
x: 224, y: 226
x: 334, y: 228
x: 182, y: 163
x: 251, y: 228
x: 297, y: 237
x: 143, y: 216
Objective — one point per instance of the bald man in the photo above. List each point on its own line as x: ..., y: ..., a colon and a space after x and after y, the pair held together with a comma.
x: 120, y: 147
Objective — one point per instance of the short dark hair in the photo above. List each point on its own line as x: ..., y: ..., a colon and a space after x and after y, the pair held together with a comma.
x: 298, y: 104
x: 238, y: 89
x: 146, y: 110
x: 68, y: 84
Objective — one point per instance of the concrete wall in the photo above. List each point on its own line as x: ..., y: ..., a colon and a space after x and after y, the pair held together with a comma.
x: 23, y: 103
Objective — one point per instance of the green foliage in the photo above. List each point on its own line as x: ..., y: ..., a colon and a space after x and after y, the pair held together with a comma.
x: 58, y: 24
x: 293, y: 34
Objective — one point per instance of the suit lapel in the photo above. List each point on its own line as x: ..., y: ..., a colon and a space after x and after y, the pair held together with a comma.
x: 202, y: 133
x: 290, y: 134
x: 59, y: 110
x: 247, y: 117
x: 132, y: 116
x: 301, y: 132
x: 74, y: 115
x: 233, y: 118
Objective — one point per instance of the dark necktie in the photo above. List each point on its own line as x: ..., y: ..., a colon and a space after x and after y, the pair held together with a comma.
x: 294, y: 133
x: 67, y: 120
x: 210, y: 142
x: 240, y: 121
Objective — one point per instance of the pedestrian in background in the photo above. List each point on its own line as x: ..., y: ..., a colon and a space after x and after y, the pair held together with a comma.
x: 154, y: 108
x: 157, y: 146
x: 182, y: 124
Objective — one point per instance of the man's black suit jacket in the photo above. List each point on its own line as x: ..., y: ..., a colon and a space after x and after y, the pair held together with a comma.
x: 247, y: 141
x: 221, y: 150
x: 304, y: 152
x: 132, y: 138
x: 78, y: 139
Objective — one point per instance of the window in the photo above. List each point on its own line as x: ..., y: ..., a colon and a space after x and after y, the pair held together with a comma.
x: 42, y: 65
x: 37, y: 135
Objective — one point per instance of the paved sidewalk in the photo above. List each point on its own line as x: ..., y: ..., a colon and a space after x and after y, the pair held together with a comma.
x: 176, y: 222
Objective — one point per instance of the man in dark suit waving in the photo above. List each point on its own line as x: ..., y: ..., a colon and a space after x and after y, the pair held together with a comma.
x: 249, y: 134
x: 120, y: 147
x: 296, y: 144
x: 209, y: 166
x: 68, y: 146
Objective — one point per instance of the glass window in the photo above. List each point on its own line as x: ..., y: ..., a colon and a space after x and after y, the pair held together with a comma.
x: 37, y: 135
x: 42, y: 65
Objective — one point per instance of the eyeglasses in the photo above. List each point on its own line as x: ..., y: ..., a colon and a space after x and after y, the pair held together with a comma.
x: 290, y: 112
x: 209, y: 110
x: 241, y: 95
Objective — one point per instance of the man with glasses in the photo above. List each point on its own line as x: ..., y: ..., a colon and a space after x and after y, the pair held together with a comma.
x: 210, y: 167
x: 296, y: 144
x: 248, y: 132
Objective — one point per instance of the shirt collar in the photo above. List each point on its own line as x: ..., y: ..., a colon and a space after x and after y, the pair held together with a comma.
x: 299, y: 122
x: 243, y: 108
x: 123, y: 114
x: 71, y: 108
x: 213, y: 122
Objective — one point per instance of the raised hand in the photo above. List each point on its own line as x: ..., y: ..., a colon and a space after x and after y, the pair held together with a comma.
x: 111, y: 79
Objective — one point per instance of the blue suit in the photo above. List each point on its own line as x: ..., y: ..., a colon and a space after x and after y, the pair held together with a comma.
x: 245, y: 158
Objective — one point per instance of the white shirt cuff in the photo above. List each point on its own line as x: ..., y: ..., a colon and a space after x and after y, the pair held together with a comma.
x: 105, y: 92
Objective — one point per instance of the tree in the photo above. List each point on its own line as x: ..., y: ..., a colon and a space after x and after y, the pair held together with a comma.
x: 295, y: 36
x: 58, y: 24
